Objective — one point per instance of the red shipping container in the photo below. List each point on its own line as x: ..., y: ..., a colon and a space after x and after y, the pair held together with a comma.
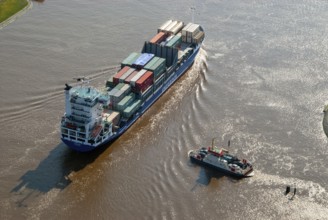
x: 158, y: 38
x: 128, y: 79
x: 117, y: 76
x: 144, y: 82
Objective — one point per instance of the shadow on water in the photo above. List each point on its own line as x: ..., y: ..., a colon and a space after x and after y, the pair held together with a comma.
x: 207, y: 174
x: 53, y: 171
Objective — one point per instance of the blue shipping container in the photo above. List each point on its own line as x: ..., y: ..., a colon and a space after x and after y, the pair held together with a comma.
x: 143, y: 60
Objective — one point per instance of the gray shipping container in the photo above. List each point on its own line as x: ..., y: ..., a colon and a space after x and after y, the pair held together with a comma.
x: 113, y: 91
x: 117, y: 97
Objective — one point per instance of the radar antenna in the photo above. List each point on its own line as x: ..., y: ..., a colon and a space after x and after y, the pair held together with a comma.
x: 67, y: 87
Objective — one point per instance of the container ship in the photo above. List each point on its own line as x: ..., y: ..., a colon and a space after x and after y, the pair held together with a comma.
x: 95, y: 118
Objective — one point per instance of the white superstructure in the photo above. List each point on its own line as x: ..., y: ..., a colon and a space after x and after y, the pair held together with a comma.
x: 84, y: 120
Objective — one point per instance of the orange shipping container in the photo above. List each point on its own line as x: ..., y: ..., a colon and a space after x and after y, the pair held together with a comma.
x: 128, y: 80
x: 144, y: 82
x: 119, y: 74
x: 158, y: 38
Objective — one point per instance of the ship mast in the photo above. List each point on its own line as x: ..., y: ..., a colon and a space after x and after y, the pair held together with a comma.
x: 192, y: 13
x: 213, y: 143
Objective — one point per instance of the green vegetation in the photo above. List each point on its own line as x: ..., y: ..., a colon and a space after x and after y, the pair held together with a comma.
x: 10, y: 7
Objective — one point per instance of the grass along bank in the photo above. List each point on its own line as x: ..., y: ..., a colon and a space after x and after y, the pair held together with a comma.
x: 10, y: 7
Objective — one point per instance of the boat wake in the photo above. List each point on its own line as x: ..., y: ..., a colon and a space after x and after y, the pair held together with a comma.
x: 182, y: 88
x: 40, y: 100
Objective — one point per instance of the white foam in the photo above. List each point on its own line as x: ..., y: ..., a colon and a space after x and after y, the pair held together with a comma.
x: 181, y: 89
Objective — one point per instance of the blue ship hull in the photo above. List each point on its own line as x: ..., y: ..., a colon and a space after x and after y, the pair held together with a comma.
x: 172, y: 79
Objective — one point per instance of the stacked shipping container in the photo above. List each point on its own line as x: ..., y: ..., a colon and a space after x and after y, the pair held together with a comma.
x: 144, y: 82
x: 157, y: 66
x: 125, y: 102
x: 142, y: 73
x: 142, y: 60
x: 171, y: 27
x: 117, y: 76
x: 175, y: 41
x: 158, y: 38
x: 126, y: 75
x: 130, y: 59
x: 192, y: 33
x: 139, y: 81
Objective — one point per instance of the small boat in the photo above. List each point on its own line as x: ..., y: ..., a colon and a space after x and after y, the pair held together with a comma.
x: 222, y: 161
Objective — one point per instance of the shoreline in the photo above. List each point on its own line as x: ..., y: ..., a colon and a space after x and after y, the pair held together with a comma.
x: 16, y: 15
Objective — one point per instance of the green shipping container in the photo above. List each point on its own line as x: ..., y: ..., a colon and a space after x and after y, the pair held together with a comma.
x: 119, y: 86
x: 130, y: 59
x: 176, y: 40
x: 157, y: 68
x: 125, y: 102
x: 131, y: 109
x: 151, y: 63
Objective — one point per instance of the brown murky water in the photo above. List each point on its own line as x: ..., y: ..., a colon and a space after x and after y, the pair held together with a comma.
x: 259, y: 81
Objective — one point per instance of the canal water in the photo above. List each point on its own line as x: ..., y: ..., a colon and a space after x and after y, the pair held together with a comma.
x: 258, y: 81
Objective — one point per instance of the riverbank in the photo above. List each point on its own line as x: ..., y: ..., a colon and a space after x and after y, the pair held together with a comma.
x: 11, y: 9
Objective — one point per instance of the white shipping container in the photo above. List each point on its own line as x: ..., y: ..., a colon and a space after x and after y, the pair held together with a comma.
x: 167, y: 29
x: 163, y: 26
x: 126, y: 89
x: 176, y: 28
x: 189, y: 39
x: 184, y: 30
x: 137, y: 76
x: 126, y: 74
x: 193, y: 29
x: 198, y: 37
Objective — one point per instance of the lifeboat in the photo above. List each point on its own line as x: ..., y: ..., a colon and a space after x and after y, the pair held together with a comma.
x: 96, y: 131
